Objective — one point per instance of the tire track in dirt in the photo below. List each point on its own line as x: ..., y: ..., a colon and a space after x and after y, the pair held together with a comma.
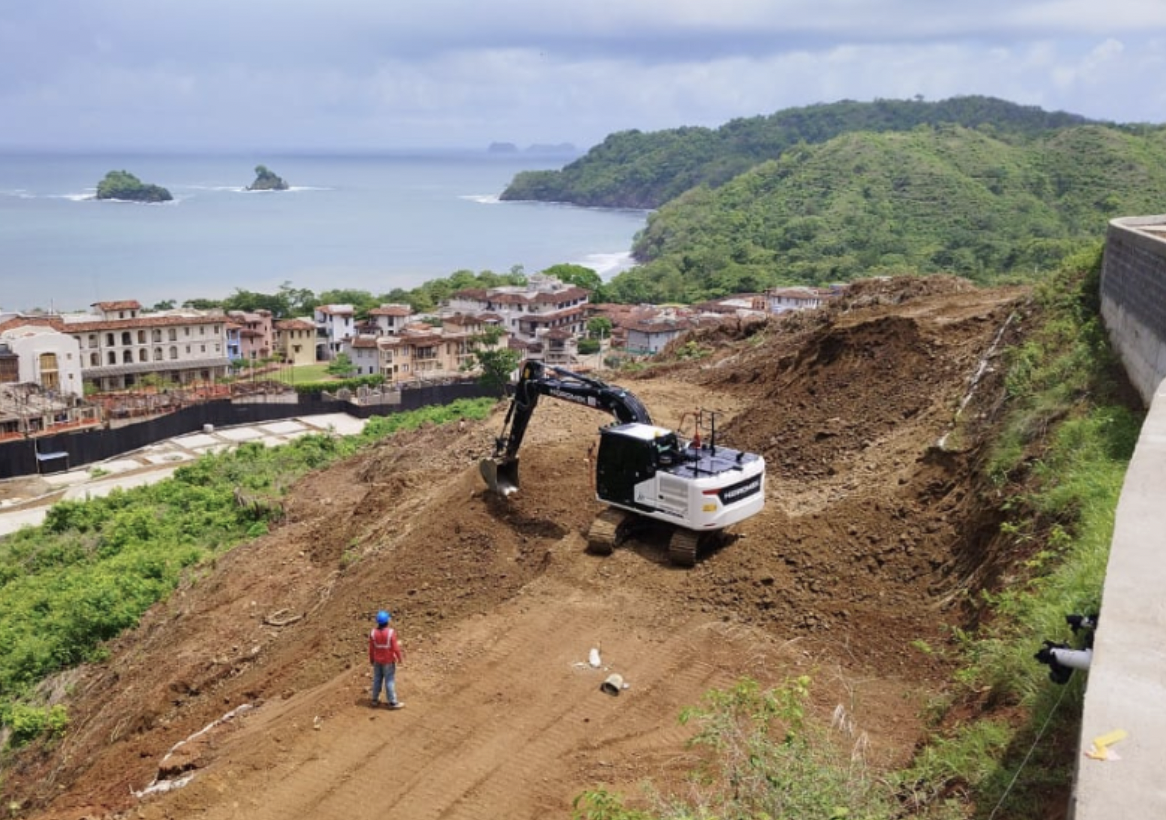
x: 497, y: 734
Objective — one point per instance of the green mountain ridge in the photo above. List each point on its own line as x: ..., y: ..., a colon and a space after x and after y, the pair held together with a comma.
x: 947, y: 199
x: 633, y: 169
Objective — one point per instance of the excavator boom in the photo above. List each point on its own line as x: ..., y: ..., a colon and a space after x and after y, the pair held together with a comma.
x: 536, y: 380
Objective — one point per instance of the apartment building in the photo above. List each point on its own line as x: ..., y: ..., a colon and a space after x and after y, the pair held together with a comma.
x: 117, y: 345
x: 256, y: 333
x: 37, y: 353
x: 389, y: 319
x: 295, y: 341
x: 120, y: 345
x: 334, y: 324
x: 540, y: 314
x: 423, y: 352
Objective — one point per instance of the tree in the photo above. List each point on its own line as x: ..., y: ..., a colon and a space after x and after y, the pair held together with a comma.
x: 362, y: 301
x: 300, y: 301
x: 248, y: 300
x: 165, y: 304
x: 599, y: 327
x: 577, y: 275
x: 341, y: 366
x: 496, y: 362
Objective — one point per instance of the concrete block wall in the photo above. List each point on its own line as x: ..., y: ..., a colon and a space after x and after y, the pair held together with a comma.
x: 1133, y: 298
x: 1126, y: 685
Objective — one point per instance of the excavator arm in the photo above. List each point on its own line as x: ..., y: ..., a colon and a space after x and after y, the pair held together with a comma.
x: 537, y: 380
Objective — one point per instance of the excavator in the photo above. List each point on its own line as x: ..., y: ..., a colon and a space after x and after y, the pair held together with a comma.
x: 646, y: 474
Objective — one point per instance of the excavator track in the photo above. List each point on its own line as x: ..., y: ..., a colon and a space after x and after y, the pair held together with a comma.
x: 682, y: 548
x: 606, y: 532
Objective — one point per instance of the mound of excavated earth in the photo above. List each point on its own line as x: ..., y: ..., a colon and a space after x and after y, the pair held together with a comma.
x: 245, y: 694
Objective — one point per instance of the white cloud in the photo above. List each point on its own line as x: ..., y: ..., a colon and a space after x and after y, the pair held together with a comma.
x: 365, y: 74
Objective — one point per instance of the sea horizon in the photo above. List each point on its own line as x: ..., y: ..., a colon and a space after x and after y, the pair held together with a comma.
x: 373, y: 221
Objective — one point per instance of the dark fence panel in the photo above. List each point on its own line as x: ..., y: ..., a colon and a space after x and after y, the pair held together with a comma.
x: 19, y: 458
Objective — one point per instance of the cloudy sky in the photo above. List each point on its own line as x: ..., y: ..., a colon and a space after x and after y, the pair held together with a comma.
x: 391, y: 74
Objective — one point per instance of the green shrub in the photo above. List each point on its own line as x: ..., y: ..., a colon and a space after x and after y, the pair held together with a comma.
x: 30, y: 722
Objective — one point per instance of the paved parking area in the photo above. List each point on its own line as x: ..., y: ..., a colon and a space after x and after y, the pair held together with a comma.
x: 156, y: 462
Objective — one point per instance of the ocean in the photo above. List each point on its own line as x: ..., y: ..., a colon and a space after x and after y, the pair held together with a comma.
x: 371, y: 223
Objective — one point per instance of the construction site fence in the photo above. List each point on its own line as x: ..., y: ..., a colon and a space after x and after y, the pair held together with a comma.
x: 47, y: 454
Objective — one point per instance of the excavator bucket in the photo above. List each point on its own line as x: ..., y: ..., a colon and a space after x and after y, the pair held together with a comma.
x: 501, y: 475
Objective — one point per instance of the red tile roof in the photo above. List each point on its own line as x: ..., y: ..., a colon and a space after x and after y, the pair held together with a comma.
x: 391, y: 310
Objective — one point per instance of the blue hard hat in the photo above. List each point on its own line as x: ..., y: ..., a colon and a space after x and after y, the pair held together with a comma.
x: 383, y: 618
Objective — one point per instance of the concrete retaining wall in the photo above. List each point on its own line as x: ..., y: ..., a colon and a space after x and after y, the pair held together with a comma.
x: 1126, y: 687
x: 1133, y: 298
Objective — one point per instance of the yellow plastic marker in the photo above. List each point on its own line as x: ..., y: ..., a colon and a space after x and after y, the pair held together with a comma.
x: 1100, y: 750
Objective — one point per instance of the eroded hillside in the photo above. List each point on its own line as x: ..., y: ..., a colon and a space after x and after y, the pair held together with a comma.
x: 871, y: 416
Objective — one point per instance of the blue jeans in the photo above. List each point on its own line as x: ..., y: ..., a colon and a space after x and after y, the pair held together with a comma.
x: 386, y: 673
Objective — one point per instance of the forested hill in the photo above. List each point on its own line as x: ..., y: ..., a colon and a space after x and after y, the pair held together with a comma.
x: 946, y: 199
x: 632, y: 169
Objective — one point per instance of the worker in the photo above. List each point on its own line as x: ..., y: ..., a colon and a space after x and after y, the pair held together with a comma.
x: 384, y: 653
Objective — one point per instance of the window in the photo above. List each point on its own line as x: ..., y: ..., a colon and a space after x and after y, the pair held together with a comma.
x: 202, y: 348
x: 186, y: 331
x: 94, y: 360
x: 111, y: 357
x: 157, y: 354
x: 216, y: 330
x: 143, y: 355
x: 109, y: 340
x: 218, y: 348
x: 141, y: 337
x: 127, y: 357
x: 173, y: 352
x: 93, y: 340
x: 202, y: 330
x: 188, y: 350
x: 157, y: 336
x: 126, y: 338
x: 173, y: 334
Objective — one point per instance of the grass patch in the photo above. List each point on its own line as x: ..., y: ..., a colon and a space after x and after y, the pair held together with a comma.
x: 302, y: 374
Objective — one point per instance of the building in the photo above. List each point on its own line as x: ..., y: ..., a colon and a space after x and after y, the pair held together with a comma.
x: 234, y: 342
x: 334, y: 324
x: 41, y: 355
x: 387, y: 320
x: 121, y: 345
x: 256, y: 334
x: 422, y: 352
x: 780, y: 300
x: 647, y: 335
x: 27, y: 411
x: 295, y: 341
x: 364, y: 354
x: 529, y: 312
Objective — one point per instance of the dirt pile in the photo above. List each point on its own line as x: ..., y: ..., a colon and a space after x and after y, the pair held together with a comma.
x: 870, y: 416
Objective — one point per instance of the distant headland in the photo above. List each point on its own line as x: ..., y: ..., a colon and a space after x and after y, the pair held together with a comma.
x: 557, y: 149
x: 124, y: 185
x: 266, y: 180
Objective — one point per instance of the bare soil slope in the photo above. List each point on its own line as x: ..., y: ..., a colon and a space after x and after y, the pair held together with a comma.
x: 870, y: 416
